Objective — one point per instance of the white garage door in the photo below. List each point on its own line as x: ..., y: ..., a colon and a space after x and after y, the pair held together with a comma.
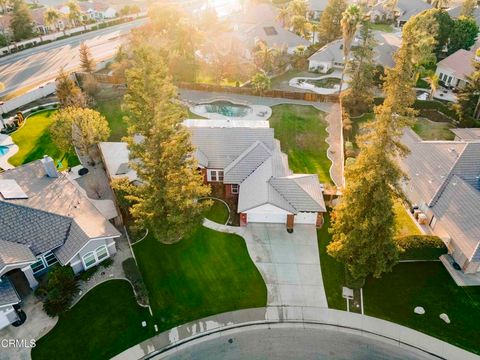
x: 306, y: 218
x: 267, y: 218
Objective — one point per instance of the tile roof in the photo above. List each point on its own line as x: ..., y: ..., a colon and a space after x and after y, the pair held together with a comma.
x: 8, y: 295
x: 14, y: 253
x: 239, y: 169
x: 221, y: 145
x: 301, y: 191
x: 459, y: 211
x: 39, y: 230
x: 75, y: 240
x: 467, y: 133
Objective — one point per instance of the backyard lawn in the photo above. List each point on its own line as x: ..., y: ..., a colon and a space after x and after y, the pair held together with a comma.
x: 431, y: 130
x: 426, y: 284
x: 111, y: 109
x: 104, y: 323
x: 34, y: 141
x: 204, y: 274
x: 302, y: 133
x: 403, y: 222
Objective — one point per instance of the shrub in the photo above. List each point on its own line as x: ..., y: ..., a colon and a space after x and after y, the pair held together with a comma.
x: 420, y: 247
x: 107, y: 263
x: 348, y: 145
x: 87, y: 274
x: 58, y: 291
x: 133, y: 274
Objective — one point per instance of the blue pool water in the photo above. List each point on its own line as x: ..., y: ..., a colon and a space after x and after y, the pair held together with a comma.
x: 227, y: 108
x: 3, y: 150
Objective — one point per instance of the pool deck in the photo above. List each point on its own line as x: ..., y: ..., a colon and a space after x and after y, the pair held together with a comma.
x: 258, y: 112
x: 6, y: 140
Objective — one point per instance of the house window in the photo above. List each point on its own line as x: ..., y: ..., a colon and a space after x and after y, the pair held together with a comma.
x: 50, y: 258
x: 235, y: 188
x: 102, y: 252
x: 215, y: 175
x: 38, y: 266
x: 449, y: 80
x: 89, y: 260
x: 94, y: 257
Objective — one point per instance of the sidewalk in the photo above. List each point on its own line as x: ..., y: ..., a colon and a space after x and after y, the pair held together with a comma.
x: 392, y: 334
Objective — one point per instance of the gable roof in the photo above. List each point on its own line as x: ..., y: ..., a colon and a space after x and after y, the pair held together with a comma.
x: 13, y: 253
x: 411, y: 8
x: 301, y: 191
x: 222, y: 145
x: 446, y: 176
x: 39, y: 230
x: 456, y: 11
x: 460, y: 63
x: 466, y: 134
x: 239, y: 169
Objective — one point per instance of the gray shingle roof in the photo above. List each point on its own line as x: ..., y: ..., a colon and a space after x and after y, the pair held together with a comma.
x: 8, y: 295
x: 39, y: 230
x: 458, y: 208
x: 221, y: 145
x: 411, y: 8
x: 13, y: 253
x: 239, y: 169
x: 303, y: 192
x: 76, y: 239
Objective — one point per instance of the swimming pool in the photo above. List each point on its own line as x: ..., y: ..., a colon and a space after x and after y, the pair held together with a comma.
x: 225, y: 108
x: 4, y: 150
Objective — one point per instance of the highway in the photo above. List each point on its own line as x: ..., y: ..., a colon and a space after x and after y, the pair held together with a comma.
x: 41, y: 64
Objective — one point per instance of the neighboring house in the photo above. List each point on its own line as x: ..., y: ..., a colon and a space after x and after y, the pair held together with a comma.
x: 466, y: 134
x: 454, y: 69
x: 456, y: 11
x: 246, y: 159
x: 404, y: 10
x: 259, y: 23
x: 224, y: 47
x: 38, y: 17
x: 97, y: 10
x: 331, y: 55
x: 116, y: 161
x: 444, y: 182
x: 316, y: 8
x: 45, y: 219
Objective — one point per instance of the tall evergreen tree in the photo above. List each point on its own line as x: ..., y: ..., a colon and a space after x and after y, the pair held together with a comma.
x: 463, y: 34
x: 363, y: 223
x: 329, y: 26
x: 361, y: 70
x: 21, y: 22
x: 87, y: 63
x: 167, y: 199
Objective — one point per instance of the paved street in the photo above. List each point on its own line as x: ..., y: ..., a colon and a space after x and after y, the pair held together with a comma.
x: 291, y: 343
x: 41, y: 64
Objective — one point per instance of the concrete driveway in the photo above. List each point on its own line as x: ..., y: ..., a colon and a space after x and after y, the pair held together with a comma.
x: 289, y: 264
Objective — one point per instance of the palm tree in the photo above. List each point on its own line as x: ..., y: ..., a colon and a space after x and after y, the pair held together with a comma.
x: 350, y: 20
x: 51, y: 17
x: 265, y: 56
x: 283, y: 16
x: 433, y: 80
x: 74, y: 12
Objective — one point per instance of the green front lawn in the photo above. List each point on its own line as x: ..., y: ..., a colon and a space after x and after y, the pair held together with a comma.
x: 218, y: 212
x: 333, y: 272
x: 105, y: 322
x: 381, y: 27
x: 204, y: 274
x: 34, y: 141
x: 426, y: 284
x: 111, y: 109
x: 431, y: 130
x: 302, y: 133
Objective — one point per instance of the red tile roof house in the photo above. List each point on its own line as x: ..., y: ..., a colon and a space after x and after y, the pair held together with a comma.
x: 244, y: 156
x: 45, y: 219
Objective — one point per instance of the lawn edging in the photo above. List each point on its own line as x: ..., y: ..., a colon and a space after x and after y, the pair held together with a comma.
x: 278, y: 316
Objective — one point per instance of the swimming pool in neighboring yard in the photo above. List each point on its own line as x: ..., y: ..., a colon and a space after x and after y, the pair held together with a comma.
x: 225, y: 108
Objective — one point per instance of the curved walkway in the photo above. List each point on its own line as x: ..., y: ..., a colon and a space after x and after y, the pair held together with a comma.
x: 393, y: 335
x: 335, y: 140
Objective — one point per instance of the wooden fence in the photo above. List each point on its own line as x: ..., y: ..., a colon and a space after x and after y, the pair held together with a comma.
x: 273, y: 93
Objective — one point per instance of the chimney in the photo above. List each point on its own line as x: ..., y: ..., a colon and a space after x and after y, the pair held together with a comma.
x: 49, y: 166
